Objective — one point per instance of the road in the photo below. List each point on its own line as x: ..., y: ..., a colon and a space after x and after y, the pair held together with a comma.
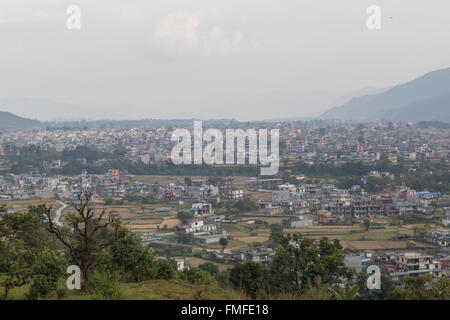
x: 59, y: 212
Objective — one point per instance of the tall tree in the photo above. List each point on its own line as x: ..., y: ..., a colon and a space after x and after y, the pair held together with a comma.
x: 299, y: 262
x: 92, y: 233
x: 135, y: 260
x: 276, y: 231
x: 252, y: 277
x: 23, y: 237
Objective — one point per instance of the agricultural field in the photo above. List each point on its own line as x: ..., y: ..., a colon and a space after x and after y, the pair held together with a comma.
x: 164, y: 180
x: 238, y: 182
x: 143, y: 218
x: 379, y: 237
x: 22, y: 205
x: 151, y: 225
x: 196, y: 261
x: 234, y: 245
x: 138, y: 218
x: 356, y: 237
x: 265, y: 196
x: 253, y: 239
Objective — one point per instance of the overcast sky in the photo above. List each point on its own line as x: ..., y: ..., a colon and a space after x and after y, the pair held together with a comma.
x: 242, y: 59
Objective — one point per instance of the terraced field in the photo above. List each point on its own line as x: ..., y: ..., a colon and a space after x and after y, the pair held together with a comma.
x: 22, y: 205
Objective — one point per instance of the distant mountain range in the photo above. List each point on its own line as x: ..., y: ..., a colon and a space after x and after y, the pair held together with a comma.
x: 11, y: 121
x: 426, y: 98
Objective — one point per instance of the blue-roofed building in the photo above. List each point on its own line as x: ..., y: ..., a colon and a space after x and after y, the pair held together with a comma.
x: 428, y: 194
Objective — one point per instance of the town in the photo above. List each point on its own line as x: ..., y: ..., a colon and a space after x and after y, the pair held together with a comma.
x: 382, y: 189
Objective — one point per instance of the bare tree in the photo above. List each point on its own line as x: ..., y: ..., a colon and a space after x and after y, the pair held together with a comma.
x: 88, y: 239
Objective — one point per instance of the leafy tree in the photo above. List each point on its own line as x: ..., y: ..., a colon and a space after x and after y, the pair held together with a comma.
x: 223, y: 242
x: 23, y: 237
x: 128, y: 255
x: 15, y: 265
x: 186, y: 238
x: 166, y: 269
x: 184, y: 216
x: 423, y: 288
x: 245, y: 205
x: 187, y: 181
x: 300, y: 261
x: 252, y: 277
x: 349, y: 181
x: 375, y: 184
x: 367, y: 224
x: 47, y: 269
x: 276, y: 231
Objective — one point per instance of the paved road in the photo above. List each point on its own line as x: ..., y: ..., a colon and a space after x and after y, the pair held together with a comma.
x: 59, y: 212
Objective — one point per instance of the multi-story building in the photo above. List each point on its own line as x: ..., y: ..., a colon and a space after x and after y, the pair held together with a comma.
x: 235, y: 194
x: 415, y: 264
x: 201, y: 209
x: 259, y: 254
x: 196, y: 226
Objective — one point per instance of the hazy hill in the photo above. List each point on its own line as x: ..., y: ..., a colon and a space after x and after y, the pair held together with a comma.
x: 11, y: 121
x: 425, y: 98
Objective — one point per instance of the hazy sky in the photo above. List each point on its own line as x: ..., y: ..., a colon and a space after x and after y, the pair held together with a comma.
x: 242, y: 59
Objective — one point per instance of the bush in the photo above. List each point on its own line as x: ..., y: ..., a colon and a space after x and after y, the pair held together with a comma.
x: 195, y: 276
x: 166, y: 269
x: 105, y: 285
x: 210, y: 268
x: 46, y: 271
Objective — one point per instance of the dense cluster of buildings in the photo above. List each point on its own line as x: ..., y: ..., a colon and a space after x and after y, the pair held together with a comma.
x: 340, y: 143
x: 333, y: 204
x: 313, y: 142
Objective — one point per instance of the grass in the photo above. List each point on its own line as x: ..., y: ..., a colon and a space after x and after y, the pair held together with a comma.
x: 17, y: 293
x: 150, y: 290
x: 234, y: 228
x: 170, y: 290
